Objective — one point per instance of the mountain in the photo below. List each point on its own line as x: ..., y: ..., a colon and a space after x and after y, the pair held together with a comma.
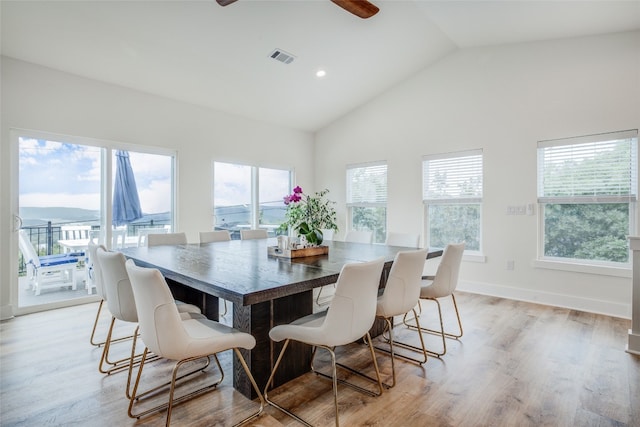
x: 32, y: 216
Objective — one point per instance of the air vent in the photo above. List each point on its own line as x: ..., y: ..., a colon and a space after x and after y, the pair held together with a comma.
x: 282, y: 56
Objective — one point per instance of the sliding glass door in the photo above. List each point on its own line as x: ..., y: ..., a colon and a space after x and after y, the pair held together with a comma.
x: 63, y: 202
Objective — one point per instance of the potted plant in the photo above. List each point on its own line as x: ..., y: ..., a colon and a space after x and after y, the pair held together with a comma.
x: 307, y: 215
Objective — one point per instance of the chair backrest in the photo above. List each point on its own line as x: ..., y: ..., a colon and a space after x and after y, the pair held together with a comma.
x: 356, y: 236
x: 446, y: 278
x: 160, y: 323
x: 117, y: 285
x: 327, y: 234
x: 28, y: 251
x: 260, y: 233
x: 75, y: 232
x: 215, y: 236
x: 144, y: 232
x: 94, y: 269
x: 408, y: 240
x: 353, y: 308
x: 118, y: 237
x: 402, y: 290
x: 166, y: 239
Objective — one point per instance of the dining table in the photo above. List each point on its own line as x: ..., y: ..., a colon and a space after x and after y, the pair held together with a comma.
x: 265, y: 291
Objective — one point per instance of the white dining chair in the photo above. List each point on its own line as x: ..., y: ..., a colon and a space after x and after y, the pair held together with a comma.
x: 143, y: 233
x: 121, y: 304
x: 166, y: 239
x: 214, y: 236
x: 408, y: 240
x: 400, y: 296
x: 259, y: 233
x: 349, y: 318
x: 353, y: 236
x: 442, y: 285
x: 359, y: 236
x: 166, y: 334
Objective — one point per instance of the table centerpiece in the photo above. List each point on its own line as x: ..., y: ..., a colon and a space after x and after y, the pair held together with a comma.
x: 306, y: 216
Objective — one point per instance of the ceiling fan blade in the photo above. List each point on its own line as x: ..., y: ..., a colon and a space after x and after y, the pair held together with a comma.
x: 225, y: 2
x: 361, y: 8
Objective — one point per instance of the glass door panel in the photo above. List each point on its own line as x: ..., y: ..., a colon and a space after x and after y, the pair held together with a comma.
x: 150, y: 182
x: 274, y: 185
x: 232, y: 197
x: 59, y: 196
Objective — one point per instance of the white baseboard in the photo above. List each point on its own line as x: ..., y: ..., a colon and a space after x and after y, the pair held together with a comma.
x: 633, y: 345
x: 6, y: 312
x: 547, y: 298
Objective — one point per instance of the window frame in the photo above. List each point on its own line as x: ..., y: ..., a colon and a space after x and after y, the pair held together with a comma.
x: 379, y: 200
x: 254, y: 214
x: 428, y: 199
x: 581, y: 264
x: 107, y: 149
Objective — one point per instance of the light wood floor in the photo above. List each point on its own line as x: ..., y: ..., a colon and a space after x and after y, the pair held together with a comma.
x: 518, y: 364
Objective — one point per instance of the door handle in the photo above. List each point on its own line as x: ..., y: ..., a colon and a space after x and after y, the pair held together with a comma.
x: 17, y: 223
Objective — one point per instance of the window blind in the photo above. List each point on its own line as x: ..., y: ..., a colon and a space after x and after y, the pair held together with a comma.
x: 590, y: 169
x: 452, y: 177
x: 367, y: 184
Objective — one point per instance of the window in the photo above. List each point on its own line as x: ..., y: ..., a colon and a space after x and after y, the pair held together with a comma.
x: 587, y: 190
x: 249, y: 197
x: 367, y: 198
x: 452, y: 194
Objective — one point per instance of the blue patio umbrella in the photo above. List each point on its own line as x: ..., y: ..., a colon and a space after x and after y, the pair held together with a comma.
x: 126, y: 203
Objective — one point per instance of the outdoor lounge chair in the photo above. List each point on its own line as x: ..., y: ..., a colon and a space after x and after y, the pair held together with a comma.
x: 49, y: 271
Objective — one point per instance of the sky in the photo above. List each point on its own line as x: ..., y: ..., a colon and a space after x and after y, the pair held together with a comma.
x: 56, y: 174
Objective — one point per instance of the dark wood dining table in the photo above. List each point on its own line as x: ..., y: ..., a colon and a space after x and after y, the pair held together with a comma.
x: 265, y: 291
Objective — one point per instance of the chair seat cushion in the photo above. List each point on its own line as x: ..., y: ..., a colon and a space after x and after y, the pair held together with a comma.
x: 306, y: 329
x: 51, y: 260
x: 183, y: 307
x: 207, y: 336
x: 428, y: 291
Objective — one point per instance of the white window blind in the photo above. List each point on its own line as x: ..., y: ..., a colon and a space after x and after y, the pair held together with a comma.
x: 590, y: 169
x: 452, y: 177
x: 367, y: 184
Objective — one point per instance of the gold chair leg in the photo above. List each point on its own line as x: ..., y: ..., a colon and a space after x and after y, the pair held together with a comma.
x: 377, y: 380
x: 118, y: 365
x: 224, y: 313
x: 320, y: 293
x: 270, y: 381
x: 422, y: 349
x: 333, y: 377
x: 133, y: 362
x: 95, y: 325
x: 442, y: 333
x: 168, y: 405
x: 255, y: 387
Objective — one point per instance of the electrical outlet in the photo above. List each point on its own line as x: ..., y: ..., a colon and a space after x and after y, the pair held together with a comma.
x: 510, y: 264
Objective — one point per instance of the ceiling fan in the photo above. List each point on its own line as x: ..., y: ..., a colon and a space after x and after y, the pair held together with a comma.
x: 360, y: 8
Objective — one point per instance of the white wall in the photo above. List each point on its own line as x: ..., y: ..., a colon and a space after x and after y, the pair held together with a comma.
x: 41, y: 99
x: 502, y: 99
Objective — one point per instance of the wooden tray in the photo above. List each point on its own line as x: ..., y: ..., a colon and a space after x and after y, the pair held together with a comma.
x: 297, y: 253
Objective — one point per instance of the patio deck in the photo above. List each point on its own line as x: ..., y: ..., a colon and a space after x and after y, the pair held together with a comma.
x: 27, y: 298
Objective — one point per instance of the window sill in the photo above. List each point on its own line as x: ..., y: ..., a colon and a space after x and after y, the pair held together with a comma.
x: 584, y: 268
x: 476, y: 257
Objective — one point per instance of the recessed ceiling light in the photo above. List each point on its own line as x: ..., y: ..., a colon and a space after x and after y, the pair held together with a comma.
x: 321, y: 73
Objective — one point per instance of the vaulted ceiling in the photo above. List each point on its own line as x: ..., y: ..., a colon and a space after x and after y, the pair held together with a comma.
x: 219, y: 57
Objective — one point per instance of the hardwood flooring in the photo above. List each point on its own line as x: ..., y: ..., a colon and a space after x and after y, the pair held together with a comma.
x: 518, y: 364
